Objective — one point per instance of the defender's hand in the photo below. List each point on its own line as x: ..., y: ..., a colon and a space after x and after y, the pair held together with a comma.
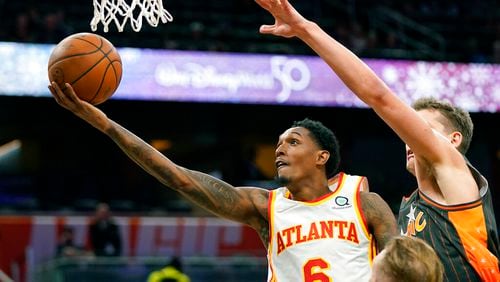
x: 287, y: 20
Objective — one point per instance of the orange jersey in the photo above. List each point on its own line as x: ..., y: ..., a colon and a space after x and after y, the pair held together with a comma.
x: 464, y: 236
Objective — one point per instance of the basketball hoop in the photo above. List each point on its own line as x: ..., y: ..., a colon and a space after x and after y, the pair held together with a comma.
x: 118, y: 11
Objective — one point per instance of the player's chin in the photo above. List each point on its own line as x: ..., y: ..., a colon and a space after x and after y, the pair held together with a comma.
x: 410, y: 166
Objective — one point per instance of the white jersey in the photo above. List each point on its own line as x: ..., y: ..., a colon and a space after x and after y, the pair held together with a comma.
x: 322, y: 240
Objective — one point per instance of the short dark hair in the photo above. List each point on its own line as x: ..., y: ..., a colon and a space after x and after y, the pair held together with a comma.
x: 457, y: 119
x: 326, y: 140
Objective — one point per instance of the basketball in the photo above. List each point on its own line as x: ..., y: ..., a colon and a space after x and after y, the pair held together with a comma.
x: 90, y: 63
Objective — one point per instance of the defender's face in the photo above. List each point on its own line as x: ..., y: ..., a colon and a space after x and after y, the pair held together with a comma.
x: 436, y: 121
x: 410, y: 160
x: 296, y: 154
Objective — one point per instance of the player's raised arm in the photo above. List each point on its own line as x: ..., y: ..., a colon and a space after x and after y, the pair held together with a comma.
x: 363, y: 82
x: 245, y: 205
x: 354, y: 73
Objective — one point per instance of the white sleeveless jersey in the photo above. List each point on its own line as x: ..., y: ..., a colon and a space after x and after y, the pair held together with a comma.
x: 322, y: 240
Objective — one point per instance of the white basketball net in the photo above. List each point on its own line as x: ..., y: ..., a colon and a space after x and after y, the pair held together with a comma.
x: 118, y: 11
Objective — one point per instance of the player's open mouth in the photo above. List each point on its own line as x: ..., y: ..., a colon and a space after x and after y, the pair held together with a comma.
x: 280, y: 164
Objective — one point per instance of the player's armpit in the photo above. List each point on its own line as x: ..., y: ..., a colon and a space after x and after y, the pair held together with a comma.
x: 379, y: 218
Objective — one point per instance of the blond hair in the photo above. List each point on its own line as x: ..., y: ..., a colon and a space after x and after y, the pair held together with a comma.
x: 411, y: 259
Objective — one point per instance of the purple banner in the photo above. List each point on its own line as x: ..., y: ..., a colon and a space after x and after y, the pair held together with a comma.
x: 166, y: 75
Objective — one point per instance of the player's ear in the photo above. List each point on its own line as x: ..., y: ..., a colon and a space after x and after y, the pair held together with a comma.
x: 322, y: 157
x: 456, y: 138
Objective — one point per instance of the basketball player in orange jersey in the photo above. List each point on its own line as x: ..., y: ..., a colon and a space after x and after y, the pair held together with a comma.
x: 314, y: 229
x: 452, y: 208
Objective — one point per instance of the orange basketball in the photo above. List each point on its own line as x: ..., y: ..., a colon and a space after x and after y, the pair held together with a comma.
x: 90, y: 63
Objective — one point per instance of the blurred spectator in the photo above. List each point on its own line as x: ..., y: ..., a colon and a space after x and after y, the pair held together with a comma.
x: 105, y: 237
x: 197, y: 33
x: 229, y: 28
x: 27, y: 26
x: 54, y: 28
x: 358, y: 39
x: 392, y: 41
x: 342, y: 34
x: 66, y: 246
x: 172, y: 272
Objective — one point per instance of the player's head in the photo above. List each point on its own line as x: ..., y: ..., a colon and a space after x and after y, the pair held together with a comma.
x: 408, y: 259
x: 452, y: 122
x: 306, y: 146
x: 102, y: 211
x: 67, y: 234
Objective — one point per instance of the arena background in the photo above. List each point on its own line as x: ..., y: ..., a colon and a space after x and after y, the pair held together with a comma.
x: 57, y: 168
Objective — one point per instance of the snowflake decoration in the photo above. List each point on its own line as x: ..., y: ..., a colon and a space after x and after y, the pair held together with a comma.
x: 479, y: 74
x: 424, y: 80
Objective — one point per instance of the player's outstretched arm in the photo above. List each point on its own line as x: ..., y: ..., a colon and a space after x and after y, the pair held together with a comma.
x: 365, y: 84
x: 247, y: 205
x: 354, y: 73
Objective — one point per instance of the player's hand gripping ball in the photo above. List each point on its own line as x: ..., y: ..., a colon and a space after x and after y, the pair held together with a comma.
x: 90, y: 63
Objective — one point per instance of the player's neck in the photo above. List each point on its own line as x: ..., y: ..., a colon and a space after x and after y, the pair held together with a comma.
x: 308, y: 193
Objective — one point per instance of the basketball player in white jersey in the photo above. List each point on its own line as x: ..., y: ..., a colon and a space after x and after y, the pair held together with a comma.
x: 314, y: 229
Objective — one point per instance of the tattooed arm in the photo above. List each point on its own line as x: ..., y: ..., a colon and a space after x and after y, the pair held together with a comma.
x: 379, y: 218
x: 243, y: 204
x: 247, y: 205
